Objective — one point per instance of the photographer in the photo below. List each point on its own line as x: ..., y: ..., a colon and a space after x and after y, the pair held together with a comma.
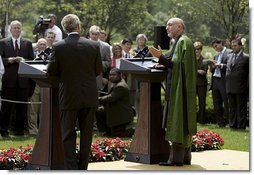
x: 40, y: 27
x: 53, y: 28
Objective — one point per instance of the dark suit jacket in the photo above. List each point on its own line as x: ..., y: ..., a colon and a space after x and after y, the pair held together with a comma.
x: 76, y: 61
x: 201, y: 79
x: 224, y: 60
x: 7, y: 50
x: 118, y: 107
x: 237, y: 75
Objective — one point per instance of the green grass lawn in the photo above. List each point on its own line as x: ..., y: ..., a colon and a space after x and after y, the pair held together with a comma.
x: 234, y: 140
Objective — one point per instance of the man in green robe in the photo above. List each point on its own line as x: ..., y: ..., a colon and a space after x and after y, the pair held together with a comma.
x: 181, y: 117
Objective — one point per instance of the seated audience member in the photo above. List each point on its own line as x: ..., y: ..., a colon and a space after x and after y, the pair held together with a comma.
x: 34, y: 108
x: 127, y: 48
x: 132, y: 82
x: 116, y: 113
x: 50, y: 37
x: 141, y: 50
x: 117, y: 55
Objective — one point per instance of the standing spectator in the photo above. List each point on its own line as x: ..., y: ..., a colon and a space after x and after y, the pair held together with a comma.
x: 78, y: 95
x: 181, y: 121
x: 141, y: 50
x: 34, y: 109
x: 94, y: 33
x: 116, y: 106
x: 52, y: 27
x: 201, y: 83
x: 218, y: 84
x: 104, y: 36
x: 237, y: 85
x: 13, y: 50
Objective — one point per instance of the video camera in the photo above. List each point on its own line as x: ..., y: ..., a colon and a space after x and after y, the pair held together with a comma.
x: 40, y: 27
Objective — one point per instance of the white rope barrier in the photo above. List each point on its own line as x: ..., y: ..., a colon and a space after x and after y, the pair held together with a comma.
x: 23, y: 102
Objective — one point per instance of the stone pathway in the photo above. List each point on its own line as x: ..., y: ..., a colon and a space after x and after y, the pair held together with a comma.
x: 201, y: 161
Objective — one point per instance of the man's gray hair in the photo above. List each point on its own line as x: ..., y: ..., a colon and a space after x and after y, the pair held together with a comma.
x: 94, y: 29
x: 141, y: 35
x: 179, y: 21
x: 15, y: 22
x: 70, y: 23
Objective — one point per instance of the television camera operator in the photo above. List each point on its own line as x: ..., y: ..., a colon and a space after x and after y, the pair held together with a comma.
x: 45, y: 25
x: 40, y: 27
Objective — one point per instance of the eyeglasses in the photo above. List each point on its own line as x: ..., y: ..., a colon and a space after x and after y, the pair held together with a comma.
x: 197, y: 48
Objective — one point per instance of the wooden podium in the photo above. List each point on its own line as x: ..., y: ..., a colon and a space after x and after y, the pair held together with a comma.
x: 48, y: 149
x: 148, y: 143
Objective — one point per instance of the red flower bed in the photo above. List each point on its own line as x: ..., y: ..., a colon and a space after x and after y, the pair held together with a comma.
x: 108, y: 149
x: 206, y: 140
x: 15, y: 158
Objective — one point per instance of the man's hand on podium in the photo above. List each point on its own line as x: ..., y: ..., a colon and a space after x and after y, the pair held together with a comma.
x: 19, y: 59
x: 15, y: 59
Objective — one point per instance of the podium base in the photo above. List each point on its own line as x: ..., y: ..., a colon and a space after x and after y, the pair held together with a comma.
x: 44, y: 167
x: 146, y: 159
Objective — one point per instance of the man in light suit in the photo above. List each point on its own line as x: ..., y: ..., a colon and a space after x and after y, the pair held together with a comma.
x: 237, y: 85
x: 218, y: 84
x: 14, y: 49
x: 76, y: 61
x: 94, y: 33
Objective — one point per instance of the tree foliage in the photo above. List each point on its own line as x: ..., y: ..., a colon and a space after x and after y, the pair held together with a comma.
x: 126, y: 18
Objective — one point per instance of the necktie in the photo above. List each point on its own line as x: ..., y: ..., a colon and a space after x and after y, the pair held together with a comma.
x: 234, y: 59
x: 126, y: 55
x: 217, y: 72
x: 16, y: 48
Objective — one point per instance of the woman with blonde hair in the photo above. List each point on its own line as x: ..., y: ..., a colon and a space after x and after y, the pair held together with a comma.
x: 201, y: 83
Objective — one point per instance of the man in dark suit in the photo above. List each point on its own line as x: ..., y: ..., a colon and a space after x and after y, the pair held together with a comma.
x: 13, y: 50
x: 76, y: 61
x: 119, y: 113
x: 237, y: 85
x: 218, y: 84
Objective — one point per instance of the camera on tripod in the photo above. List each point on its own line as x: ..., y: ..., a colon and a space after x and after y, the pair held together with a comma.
x: 40, y: 27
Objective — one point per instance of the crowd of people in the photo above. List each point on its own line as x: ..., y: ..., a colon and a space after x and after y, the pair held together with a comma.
x: 102, y: 98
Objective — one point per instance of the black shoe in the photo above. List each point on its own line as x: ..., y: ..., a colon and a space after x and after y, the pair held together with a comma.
x: 169, y: 163
x: 187, y: 162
